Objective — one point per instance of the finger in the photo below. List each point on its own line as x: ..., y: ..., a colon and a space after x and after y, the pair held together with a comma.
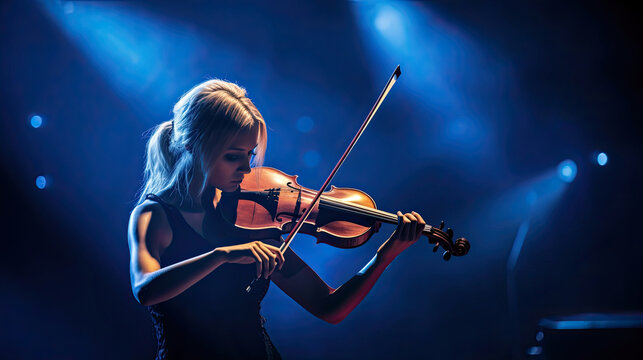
x: 271, y: 256
x: 420, y: 218
x: 404, y: 232
x: 270, y: 247
x: 257, y: 261
x: 413, y: 226
x: 421, y: 224
x: 277, y: 251
x: 400, y: 221
x: 267, y: 267
x: 280, y: 258
x: 277, y: 256
x: 265, y: 261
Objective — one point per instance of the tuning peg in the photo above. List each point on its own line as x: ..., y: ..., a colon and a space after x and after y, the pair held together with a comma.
x: 446, y: 256
x: 441, y: 225
x: 436, y: 247
x: 450, y: 233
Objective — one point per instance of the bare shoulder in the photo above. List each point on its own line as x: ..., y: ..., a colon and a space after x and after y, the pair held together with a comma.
x: 149, y: 225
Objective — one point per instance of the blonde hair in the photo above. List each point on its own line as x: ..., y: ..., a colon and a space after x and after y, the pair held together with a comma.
x: 206, y: 120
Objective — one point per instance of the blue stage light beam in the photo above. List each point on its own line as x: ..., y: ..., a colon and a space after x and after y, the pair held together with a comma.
x: 441, y: 64
x: 542, y: 193
x: 138, y: 53
x: 567, y: 170
x: 509, y: 216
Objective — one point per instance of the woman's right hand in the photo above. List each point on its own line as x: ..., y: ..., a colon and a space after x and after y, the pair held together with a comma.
x: 267, y: 257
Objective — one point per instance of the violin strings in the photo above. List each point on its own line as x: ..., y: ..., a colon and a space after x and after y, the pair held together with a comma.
x: 362, y: 210
x: 392, y: 219
x: 358, y: 209
x: 381, y: 215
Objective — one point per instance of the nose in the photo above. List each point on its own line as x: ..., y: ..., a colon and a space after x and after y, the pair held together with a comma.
x: 245, y: 168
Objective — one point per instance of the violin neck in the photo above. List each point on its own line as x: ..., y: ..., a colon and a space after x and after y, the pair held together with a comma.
x: 364, y: 211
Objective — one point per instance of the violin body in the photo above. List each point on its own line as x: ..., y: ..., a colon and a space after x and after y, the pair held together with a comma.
x: 269, y: 202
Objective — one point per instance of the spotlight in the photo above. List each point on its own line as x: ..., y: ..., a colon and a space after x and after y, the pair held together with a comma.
x: 601, y: 159
x: 387, y: 19
x: 567, y: 170
x: 36, y: 121
x: 389, y: 22
x: 41, y: 182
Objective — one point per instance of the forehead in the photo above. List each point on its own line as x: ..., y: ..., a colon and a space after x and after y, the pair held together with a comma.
x: 246, y: 140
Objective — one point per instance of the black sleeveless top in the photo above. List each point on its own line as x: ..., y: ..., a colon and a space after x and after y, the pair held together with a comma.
x: 214, y: 318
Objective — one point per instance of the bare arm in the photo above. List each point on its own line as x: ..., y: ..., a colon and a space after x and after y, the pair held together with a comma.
x: 304, y: 286
x: 149, y: 234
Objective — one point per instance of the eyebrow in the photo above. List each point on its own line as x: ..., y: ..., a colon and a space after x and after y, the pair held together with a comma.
x: 240, y: 149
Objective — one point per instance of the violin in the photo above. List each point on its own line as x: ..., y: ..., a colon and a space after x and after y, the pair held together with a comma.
x: 268, y: 203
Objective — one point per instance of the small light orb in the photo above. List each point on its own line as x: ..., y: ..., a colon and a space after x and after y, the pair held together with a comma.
x: 601, y: 159
x: 305, y: 124
x: 41, y: 182
x: 540, y: 336
x: 36, y: 121
x: 567, y: 170
x: 535, y: 350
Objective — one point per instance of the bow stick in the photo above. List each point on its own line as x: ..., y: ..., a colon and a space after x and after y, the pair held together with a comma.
x: 391, y: 81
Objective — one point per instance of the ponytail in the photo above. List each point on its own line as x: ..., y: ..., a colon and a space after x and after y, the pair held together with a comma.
x: 159, y: 160
x: 206, y: 118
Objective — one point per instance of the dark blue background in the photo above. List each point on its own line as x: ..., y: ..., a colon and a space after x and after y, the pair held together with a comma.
x: 492, y: 97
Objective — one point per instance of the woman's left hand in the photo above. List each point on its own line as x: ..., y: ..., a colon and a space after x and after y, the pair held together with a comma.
x: 409, y: 229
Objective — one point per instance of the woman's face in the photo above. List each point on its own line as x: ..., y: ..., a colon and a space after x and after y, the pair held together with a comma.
x: 228, y: 172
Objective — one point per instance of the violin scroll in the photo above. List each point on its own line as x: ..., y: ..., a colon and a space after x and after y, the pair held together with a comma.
x: 444, y: 239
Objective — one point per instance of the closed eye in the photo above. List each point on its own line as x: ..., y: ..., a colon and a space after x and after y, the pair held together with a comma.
x: 235, y: 157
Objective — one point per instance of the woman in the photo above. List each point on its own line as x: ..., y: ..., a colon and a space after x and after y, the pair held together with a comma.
x: 192, y: 280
